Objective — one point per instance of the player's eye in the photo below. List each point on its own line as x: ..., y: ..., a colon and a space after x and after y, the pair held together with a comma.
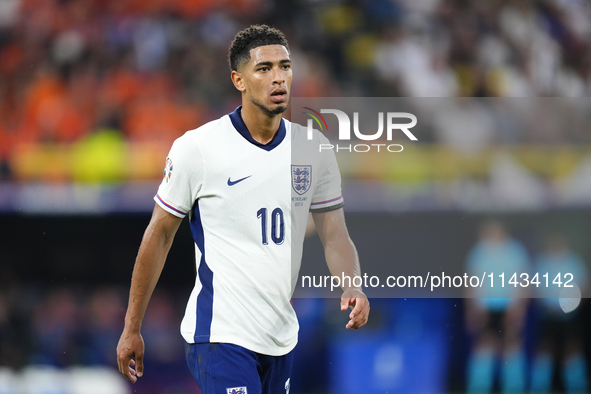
x: 264, y: 69
x: 286, y: 66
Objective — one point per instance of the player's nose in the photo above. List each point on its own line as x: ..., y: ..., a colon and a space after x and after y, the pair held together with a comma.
x: 278, y: 76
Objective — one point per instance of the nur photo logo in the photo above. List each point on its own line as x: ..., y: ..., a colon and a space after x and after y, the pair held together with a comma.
x: 394, y: 123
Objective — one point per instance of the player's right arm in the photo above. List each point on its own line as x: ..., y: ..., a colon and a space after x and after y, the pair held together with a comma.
x: 150, y: 260
x: 342, y: 260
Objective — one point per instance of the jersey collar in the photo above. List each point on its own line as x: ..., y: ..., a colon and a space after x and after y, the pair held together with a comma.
x: 239, y: 125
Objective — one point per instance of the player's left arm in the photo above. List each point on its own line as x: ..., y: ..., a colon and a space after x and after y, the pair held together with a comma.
x: 341, y: 258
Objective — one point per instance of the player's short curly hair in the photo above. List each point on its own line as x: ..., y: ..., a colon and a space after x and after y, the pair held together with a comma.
x: 253, y: 37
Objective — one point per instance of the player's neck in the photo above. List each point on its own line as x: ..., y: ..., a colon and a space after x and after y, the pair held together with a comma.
x: 260, y: 126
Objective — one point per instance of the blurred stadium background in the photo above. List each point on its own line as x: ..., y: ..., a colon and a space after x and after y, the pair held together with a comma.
x: 92, y: 94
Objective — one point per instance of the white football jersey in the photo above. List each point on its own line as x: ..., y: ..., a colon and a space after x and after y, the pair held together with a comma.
x: 248, y: 205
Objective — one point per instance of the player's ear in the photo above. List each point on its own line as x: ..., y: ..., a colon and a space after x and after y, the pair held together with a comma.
x: 238, y: 80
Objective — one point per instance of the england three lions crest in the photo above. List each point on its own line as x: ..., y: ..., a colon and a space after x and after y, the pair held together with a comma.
x: 301, y: 178
x: 237, y: 390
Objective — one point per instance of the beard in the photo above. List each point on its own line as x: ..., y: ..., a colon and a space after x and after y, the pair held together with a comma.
x: 270, y: 112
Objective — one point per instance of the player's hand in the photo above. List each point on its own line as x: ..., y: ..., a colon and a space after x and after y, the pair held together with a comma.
x: 130, y: 353
x: 357, y: 301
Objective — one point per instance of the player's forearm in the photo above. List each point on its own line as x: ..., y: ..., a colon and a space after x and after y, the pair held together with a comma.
x: 342, y: 259
x: 339, y: 251
x: 148, y: 266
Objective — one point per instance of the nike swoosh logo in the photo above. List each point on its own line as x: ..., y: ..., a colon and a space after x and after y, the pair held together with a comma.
x: 230, y: 183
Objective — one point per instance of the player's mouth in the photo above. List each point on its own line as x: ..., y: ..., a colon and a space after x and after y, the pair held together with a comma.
x: 279, y: 95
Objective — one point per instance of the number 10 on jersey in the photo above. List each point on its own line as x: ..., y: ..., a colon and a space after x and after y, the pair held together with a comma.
x: 277, y: 225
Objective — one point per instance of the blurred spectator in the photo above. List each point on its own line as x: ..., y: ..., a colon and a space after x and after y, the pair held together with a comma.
x: 16, y: 304
x: 464, y: 125
x: 160, y: 328
x: 407, y: 58
x: 103, y: 318
x: 561, y: 330
x: 495, y: 314
x: 56, y: 328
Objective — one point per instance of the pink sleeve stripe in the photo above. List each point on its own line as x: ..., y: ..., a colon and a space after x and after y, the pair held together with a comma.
x: 327, y: 201
x: 169, y: 206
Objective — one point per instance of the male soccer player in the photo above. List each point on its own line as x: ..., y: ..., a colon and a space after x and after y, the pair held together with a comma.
x: 247, y: 182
